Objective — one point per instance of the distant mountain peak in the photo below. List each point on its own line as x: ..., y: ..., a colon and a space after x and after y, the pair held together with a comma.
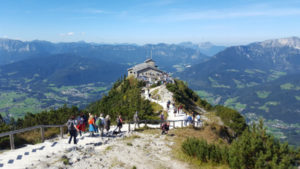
x: 293, y: 42
x: 206, y: 45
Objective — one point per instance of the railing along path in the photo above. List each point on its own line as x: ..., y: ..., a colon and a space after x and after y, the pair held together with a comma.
x: 42, y: 129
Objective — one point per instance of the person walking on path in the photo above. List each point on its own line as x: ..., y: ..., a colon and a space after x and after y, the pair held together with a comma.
x: 194, y: 117
x: 80, y: 124
x: 96, y: 126
x: 72, y: 129
x: 198, y: 118
x: 100, y: 123
x: 119, y: 124
x: 189, y: 119
x: 174, y: 111
x: 165, y: 127
x: 92, y: 125
x: 162, y: 117
x: 136, y: 120
x: 107, y: 123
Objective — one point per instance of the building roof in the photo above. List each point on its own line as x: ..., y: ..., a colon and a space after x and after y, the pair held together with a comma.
x: 143, y: 66
x: 148, y: 60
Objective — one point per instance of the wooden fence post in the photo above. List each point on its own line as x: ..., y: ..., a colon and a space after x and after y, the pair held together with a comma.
x: 12, y: 141
x: 181, y: 123
x: 174, y: 124
x: 61, y: 132
x: 129, y: 127
x: 42, y: 134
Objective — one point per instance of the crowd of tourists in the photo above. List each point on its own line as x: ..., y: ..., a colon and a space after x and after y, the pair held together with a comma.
x: 100, y: 125
x: 95, y: 124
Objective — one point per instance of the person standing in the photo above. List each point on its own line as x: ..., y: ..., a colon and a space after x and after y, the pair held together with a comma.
x: 96, y: 126
x: 119, y: 124
x: 198, y: 118
x: 165, y: 127
x: 136, y: 120
x: 101, y: 124
x: 72, y: 129
x: 107, y: 123
x: 162, y: 117
x: 80, y: 124
x: 194, y: 117
x: 92, y: 125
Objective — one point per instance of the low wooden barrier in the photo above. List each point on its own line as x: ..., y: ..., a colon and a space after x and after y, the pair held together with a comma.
x: 42, y: 129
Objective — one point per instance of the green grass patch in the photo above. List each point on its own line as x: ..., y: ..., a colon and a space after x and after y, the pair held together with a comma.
x: 249, y: 71
x: 215, y: 84
x: 287, y: 86
x: 156, y: 107
x: 264, y: 108
x: 100, y: 89
x: 232, y: 70
x: 238, y: 83
x: 179, y: 68
x: 263, y: 94
x: 239, y: 106
x: 230, y: 101
x: 275, y: 75
x: 270, y: 103
x: 251, y: 84
x: 297, y: 98
x: 220, y: 86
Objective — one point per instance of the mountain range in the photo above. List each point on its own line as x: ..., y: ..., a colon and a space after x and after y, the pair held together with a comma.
x: 169, y: 56
x: 206, y: 48
x: 260, y: 80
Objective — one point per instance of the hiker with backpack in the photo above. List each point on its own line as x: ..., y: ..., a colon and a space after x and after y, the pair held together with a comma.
x: 96, y: 126
x: 136, y: 120
x: 100, y: 123
x: 165, y: 127
x: 119, y: 124
x: 72, y: 129
x: 107, y: 123
x: 92, y: 125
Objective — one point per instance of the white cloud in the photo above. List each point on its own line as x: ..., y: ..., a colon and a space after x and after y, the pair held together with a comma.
x: 67, y: 34
x: 70, y: 33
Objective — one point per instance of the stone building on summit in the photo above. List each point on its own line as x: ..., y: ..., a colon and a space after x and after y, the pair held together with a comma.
x: 149, y: 73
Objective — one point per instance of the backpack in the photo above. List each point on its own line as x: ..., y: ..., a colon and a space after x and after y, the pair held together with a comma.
x: 70, y: 125
x: 119, y: 122
x: 98, y: 122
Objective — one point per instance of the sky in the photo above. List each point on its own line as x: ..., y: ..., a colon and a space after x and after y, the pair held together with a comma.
x: 222, y: 22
